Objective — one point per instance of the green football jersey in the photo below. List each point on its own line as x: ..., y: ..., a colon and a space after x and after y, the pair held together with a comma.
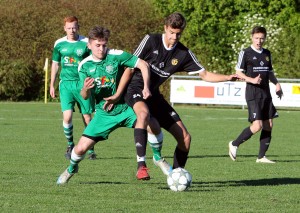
x: 69, y: 54
x: 107, y: 74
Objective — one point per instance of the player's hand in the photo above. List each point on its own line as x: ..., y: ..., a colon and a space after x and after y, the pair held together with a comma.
x: 52, y: 92
x: 107, y: 106
x: 279, y: 93
x: 146, y: 93
x: 88, y: 83
x: 256, y: 80
x: 234, y: 77
x: 110, y: 101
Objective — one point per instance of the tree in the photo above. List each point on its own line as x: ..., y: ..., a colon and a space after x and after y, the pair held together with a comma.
x: 212, y: 26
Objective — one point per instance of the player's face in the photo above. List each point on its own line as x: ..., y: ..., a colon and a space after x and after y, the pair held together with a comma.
x: 98, y: 48
x: 71, y: 29
x: 258, y: 40
x: 172, y: 35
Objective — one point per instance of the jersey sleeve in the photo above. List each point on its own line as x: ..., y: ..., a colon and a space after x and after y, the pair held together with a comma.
x: 192, y: 65
x: 56, y: 55
x: 82, y: 74
x: 125, y: 59
x: 144, y: 47
x: 241, y: 64
x: 271, y: 66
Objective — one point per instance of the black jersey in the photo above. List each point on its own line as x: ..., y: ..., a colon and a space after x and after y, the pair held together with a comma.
x: 253, y: 63
x: 163, y: 61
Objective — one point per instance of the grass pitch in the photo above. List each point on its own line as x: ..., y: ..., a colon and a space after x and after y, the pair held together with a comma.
x: 32, y: 157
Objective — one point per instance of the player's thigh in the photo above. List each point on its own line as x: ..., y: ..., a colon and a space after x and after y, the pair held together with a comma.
x: 100, y: 126
x: 164, y: 113
x: 133, y: 95
x: 254, y: 109
x: 127, y: 118
x: 269, y: 110
x: 85, y: 106
x: 66, y: 96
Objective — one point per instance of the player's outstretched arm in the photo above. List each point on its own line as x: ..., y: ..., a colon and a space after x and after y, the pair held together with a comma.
x: 256, y: 80
x: 215, y: 77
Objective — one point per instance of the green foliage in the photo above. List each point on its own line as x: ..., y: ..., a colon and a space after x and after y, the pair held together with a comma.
x: 242, y: 38
x: 212, y: 26
x: 18, y: 80
x: 29, y: 29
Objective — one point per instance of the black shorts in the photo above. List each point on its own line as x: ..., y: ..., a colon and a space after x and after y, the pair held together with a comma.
x: 261, y: 109
x: 159, y: 108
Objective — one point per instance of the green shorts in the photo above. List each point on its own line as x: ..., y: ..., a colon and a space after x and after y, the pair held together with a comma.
x: 69, y: 92
x: 103, y: 123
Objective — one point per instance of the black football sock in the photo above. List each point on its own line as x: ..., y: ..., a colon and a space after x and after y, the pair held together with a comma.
x: 245, y: 135
x: 180, y: 158
x: 265, y: 140
x: 140, y: 139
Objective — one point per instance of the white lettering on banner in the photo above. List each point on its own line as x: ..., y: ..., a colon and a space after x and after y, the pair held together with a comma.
x: 227, y: 93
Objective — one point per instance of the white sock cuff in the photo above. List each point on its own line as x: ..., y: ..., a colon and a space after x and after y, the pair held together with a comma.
x: 139, y: 159
x: 76, y: 157
x: 67, y: 125
x: 155, y: 138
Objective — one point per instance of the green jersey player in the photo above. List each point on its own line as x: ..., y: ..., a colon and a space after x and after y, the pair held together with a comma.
x: 102, y: 77
x: 67, y: 54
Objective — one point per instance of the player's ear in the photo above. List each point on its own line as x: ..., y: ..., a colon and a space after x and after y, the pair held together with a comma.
x: 165, y: 28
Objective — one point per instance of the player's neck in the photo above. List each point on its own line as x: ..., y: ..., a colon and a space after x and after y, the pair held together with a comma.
x: 167, y: 44
x: 73, y: 38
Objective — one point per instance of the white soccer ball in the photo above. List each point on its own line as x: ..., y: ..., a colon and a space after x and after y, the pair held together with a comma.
x: 179, y: 180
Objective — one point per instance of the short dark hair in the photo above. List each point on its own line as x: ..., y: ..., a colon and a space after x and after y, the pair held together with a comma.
x: 99, y: 33
x: 176, y: 21
x: 259, y: 29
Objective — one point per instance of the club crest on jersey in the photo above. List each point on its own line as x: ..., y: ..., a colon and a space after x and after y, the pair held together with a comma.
x: 174, y: 61
x: 267, y: 58
x: 79, y: 52
x: 109, y: 69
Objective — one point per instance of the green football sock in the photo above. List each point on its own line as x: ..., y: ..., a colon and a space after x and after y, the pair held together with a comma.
x: 155, y: 142
x: 70, y: 143
x: 156, y: 154
x: 68, y: 131
x: 72, y: 168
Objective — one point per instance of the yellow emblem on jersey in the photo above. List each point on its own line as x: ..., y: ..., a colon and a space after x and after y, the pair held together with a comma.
x: 174, y: 61
x: 267, y: 58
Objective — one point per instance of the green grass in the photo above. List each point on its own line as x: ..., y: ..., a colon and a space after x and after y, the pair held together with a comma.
x: 32, y: 157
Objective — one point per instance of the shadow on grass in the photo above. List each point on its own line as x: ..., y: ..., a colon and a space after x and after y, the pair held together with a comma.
x: 103, y: 182
x: 258, y: 182
x: 240, y: 157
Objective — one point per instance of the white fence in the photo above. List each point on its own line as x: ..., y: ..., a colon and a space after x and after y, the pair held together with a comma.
x: 190, y: 89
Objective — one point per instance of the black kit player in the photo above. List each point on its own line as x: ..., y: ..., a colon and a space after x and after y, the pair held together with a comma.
x: 166, y: 56
x: 255, y: 67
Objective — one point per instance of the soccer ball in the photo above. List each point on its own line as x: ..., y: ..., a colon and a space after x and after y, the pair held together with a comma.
x: 179, y: 180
